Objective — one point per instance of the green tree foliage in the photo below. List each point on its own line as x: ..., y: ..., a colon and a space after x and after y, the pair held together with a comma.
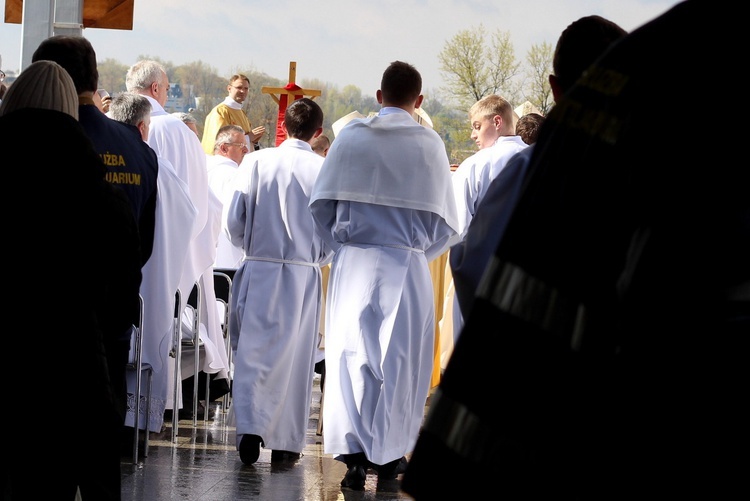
x: 451, y: 124
x: 474, y: 66
x: 473, y: 69
x: 539, y: 60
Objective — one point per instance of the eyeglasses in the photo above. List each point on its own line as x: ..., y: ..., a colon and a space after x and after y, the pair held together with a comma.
x: 239, y: 145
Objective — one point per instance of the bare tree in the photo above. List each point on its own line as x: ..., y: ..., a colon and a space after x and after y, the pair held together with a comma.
x: 261, y: 109
x: 112, y: 75
x: 472, y: 69
x: 203, y: 80
x: 539, y: 60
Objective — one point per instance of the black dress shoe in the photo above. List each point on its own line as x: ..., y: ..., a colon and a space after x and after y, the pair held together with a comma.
x: 285, y: 456
x: 391, y: 470
x: 355, y: 478
x: 186, y: 413
x: 250, y: 448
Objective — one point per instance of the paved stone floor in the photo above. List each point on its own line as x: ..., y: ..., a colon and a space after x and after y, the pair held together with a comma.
x: 204, y: 465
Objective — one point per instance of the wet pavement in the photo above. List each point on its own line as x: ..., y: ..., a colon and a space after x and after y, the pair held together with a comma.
x: 204, y: 465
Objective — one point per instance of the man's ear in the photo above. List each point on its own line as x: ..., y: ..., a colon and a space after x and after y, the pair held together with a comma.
x: 379, y: 96
x: 554, y: 84
x: 318, y: 132
x: 419, y: 100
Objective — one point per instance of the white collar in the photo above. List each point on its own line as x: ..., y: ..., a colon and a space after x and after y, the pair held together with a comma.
x: 232, y: 103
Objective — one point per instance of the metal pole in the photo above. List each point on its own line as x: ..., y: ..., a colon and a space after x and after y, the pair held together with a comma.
x: 44, y: 18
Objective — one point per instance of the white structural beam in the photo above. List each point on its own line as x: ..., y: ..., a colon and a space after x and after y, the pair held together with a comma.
x: 44, y: 18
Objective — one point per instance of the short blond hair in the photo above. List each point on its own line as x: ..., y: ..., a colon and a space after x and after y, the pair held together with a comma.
x: 489, y: 106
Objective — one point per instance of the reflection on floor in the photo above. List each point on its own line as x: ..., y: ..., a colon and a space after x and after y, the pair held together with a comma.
x: 204, y: 465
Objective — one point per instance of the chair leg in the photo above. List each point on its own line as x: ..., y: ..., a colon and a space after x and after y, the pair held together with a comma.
x: 196, y: 340
x: 176, y: 392
x: 137, y: 410
x: 148, y: 413
x: 228, y: 396
x: 208, y: 396
x: 320, y: 414
x: 177, y: 349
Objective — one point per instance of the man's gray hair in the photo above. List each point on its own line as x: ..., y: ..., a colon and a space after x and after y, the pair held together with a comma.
x: 142, y: 74
x: 225, y: 135
x: 188, y: 118
x: 130, y: 108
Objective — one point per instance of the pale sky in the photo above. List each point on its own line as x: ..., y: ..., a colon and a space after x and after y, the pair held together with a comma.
x: 341, y: 42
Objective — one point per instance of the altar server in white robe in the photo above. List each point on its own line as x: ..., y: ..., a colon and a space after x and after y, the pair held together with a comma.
x: 275, y: 310
x: 174, y: 141
x: 493, y: 128
x: 385, y: 202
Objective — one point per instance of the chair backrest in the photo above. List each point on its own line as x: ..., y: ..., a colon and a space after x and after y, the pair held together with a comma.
x: 223, y: 293
x: 227, y: 271
x: 176, y: 324
x: 192, y: 316
x: 222, y: 286
x: 193, y: 297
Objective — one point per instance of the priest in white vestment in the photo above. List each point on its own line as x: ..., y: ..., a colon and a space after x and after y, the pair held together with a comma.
x: 174, y: 218
x: 174, y: 141
x: 175, y: 215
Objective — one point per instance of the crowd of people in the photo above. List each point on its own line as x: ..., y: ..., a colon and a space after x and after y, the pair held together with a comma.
x: 602, y: 284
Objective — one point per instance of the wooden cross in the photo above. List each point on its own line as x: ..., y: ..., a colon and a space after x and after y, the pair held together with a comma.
x: 283, y: 100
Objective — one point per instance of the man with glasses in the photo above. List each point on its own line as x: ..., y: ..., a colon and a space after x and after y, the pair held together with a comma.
x: 229, y: 150
x: 229, y: 112
x: 3, y: 87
